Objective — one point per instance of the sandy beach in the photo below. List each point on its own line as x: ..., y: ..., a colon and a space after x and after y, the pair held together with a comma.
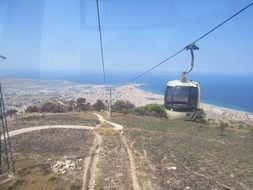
x: 21, y: 93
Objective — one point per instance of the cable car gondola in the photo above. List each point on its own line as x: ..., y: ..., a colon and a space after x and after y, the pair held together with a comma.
x: 182, y: 96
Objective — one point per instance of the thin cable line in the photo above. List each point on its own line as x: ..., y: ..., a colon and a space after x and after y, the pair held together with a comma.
x: 198, y: 39
x: 101, y: 42
x: 139, y: 76
x: 237, y: 13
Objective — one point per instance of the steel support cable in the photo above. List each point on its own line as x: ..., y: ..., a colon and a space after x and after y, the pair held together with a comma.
x: 198, y: 39
x: 101, y: 42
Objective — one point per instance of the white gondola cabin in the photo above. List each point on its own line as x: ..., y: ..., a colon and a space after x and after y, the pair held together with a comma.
x: 182, y: 99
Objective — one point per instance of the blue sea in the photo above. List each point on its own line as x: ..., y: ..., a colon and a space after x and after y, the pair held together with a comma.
x: 234, y: 91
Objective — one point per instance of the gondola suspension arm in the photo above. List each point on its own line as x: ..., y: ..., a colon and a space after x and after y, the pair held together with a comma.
x: 190, y: 47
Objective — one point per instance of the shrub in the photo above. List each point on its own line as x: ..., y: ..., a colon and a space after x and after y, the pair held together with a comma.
x: 71, y: 105
x: 222, y: 127
x: 74, y: 186
x: 52, y: 178
x: 140, y: 111
x: 11, y: 112
x: 201, y: 116
x: 154, y: 110
x: 81, y: 105
x: 32, y: 109
x: 16, y: 184
x: 80, y: 102
x: 99, y: 105
x: 88, y: 107
x: 52, y: 108
x: 123, y: 106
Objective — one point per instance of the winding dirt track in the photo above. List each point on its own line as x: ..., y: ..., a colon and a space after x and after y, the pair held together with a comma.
x: 37, y: 128
x: 90, y: 170
x: 132, y: 165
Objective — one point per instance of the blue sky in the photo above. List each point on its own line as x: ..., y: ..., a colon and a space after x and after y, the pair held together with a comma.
x: 62, y: 35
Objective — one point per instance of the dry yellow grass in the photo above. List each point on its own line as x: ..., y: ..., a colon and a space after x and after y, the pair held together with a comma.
x: 32, y: 175
x: 106, y: 129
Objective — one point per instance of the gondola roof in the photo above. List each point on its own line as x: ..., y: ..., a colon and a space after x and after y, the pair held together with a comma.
x: 189, y: 83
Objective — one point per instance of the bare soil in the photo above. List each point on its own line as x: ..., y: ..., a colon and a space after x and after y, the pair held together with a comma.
x: 149, y: 153
x: 38, y: 119
x: 53, y: 143
x: 181, y: 155
x: 113, y: 167
x: 36, y: 152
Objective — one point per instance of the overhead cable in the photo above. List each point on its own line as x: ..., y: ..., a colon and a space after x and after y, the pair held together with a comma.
x: 101, y: 42
x: 198, y: 39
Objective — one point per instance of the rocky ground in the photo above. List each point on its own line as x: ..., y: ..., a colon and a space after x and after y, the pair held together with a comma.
x: 150, y: 153
x: 113, y: 169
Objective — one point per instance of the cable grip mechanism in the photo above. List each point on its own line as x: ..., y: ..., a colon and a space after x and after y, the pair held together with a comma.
x: 190, y: 47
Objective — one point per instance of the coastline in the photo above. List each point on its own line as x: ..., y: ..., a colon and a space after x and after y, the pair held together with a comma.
x: 21, y: 93
x: 212, y: 111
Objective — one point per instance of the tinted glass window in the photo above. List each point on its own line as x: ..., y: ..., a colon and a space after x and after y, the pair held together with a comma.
x: 193, y: 96
x: 181, y: 95
x: 168, y: 95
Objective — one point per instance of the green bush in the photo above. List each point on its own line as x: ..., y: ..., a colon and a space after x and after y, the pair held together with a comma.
x: 71, y: 105
x: 32, y: 109
x: 82, y: 105
x: 74, y: 186
x: 52, y: 178
x: 99, y: 105
x: 123, y: 106
x: 11, y: 112
x: 140, y: 111
x: 53, y: 108
x: 154, y: 110
x: 201, y: 116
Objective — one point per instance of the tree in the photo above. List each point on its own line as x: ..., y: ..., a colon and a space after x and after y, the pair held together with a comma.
x: 71, y: 105
x: 81, y: 104
x: 80, y: 101
x: 11, y: 112
x: 47, y: 107
x: 32, y: 109
x: 99, y: 105
x: 53, y: 108
x: 123, y: 106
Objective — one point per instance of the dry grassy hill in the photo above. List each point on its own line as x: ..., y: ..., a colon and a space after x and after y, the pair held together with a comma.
x: 166, y: 154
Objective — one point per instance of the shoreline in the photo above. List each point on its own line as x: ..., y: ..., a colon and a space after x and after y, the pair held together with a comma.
x: 225, y: 108
x: 220, y: 113
x: 229, y: 107
x: 20, y: 93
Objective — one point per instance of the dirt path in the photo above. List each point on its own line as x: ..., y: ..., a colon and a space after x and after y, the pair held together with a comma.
x: 132, y: 165
x: 129, y: 154
x: 37, y: 128
x: 120, y: 164
x: 95, y: 160
x: 124, y: 161
x: 90, y: 164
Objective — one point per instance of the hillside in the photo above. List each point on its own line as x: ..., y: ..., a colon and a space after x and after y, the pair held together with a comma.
x: 152, y: 153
